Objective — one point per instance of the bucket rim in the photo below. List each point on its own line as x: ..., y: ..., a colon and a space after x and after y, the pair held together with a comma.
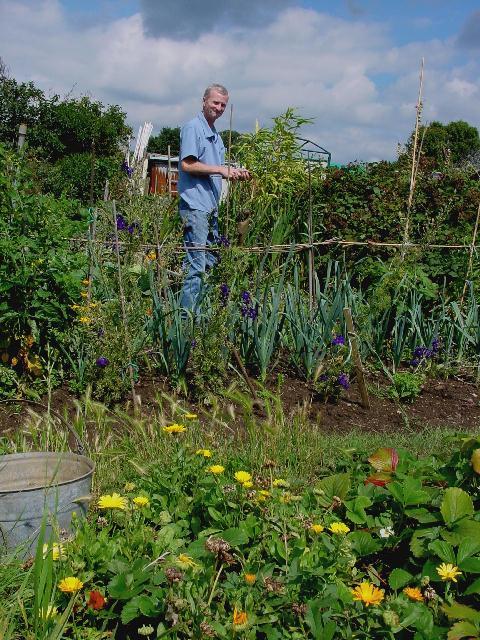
x: 11, y: 457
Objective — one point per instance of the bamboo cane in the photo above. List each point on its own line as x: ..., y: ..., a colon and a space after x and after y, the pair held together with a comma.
x: 352, y: 336
x: 472, y: 250
x: 229, y: 158
x: 135, y: 399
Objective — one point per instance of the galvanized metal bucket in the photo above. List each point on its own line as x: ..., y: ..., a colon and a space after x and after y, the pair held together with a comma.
x: 38, y: 484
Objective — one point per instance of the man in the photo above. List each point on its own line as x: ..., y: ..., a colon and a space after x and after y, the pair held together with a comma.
x: 201, y: 169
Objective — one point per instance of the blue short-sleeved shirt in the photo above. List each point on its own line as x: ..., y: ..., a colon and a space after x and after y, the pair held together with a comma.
x: 201, y: 141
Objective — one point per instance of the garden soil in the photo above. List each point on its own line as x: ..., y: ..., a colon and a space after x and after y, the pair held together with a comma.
x: 451, y: 403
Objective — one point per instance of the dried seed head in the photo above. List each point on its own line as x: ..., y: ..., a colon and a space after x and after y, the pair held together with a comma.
x: 102, y: 522
x: 274, y: 586
x: 221, y: 549
x: 173, y: 575
x: 269, y: 464
x: 336, y: 502
x: 299, y: 609
x: 229, y: 488
x: 207, y: 630
x: 430, y: 593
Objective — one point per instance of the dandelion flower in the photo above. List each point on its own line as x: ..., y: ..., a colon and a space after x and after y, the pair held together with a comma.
x: 70, y: 585
x: 206, y: 453
x: 114, y: 501
x: 339, y: 528
x: 247, y: 485
x: 86, y: 282
x: 240, y: 618
x: 414, y: 594
x: 368, y: 593
x: 141, y: 501
x: 190, y: 416
x: 280, y: 482
x: 250, y: 578
x: 151, y: 256
x: 187, y: 562
x: 14, y: 362
x: 448, y: 571
x: 242, y: 476
x: 316, y: 528
x: 216, y: 469
x: 85, y: 320
x: 174, y: 428
x: 84, y: 294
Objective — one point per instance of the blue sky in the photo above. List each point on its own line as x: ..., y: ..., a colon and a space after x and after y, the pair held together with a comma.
x: 352, y: 65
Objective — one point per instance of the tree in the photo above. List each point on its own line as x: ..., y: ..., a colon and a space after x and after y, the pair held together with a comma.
x: 167, y: 136
x: 455, y: 142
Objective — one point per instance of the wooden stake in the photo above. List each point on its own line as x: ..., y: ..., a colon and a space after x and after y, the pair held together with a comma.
x: 229, y: 158
x: 136, y: 403
x: 352, y: 336
x: 22, y: 132
x: 472, y: 250
x: 415, y: 161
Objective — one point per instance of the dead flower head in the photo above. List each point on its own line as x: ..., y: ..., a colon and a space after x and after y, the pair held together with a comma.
x: 221, y: 549
x: 173, y: 575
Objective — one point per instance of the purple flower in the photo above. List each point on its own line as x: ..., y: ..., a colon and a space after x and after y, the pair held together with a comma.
x: 435, y: 345
x: 193, y: 344
x: 343, y: 380
x: 414, y: 363
x: 224, y: 293
x: 100, y: 332
x: 223, y: 241
x: 133, y: 227
x: 419, y: 352
x: 324, y: 377
x: 244, y: 311
x: 338, y: 340
x: 128, y: 170
x: 246, y: 297
x: 428, y: 353
x: 253, y: 312
x: 121, y: 223
x: 102, y: 362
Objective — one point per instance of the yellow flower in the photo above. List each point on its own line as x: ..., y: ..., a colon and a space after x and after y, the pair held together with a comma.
x: 14, y: 362
x: 286, y: 498
x: 114, y: 501
x: 339, y: 528
x: 151, y: 256
x: 413, y: 593
x: 250, y: 578
x: 92, y: 305
x: 247, y: 485
x: 50, y: 612
x: 85, y: 320
x: 206, y: 453
x: 262, y: 495
x: 70, y: 585
x: 57, y: 550
x: 84, y: 294
x: 174, y: 428
x: 129, y: 486
x: 448, y: 571
x: 316, y: 528
x: 75, y: 307
x: 216, y: 469
x: 242, y: 476
x: 190, y: 416
x: 187, y: 562
x: 29, y: 340
x: 280, y: 482
x: 86, y: 282
x: 141, y: 501
x: 240, y: 618
x: 368, y: 593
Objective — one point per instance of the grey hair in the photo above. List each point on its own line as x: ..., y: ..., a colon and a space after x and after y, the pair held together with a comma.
x: 215, y: 87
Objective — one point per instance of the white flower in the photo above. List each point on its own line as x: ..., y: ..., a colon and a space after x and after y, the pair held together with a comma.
x: 386, y: 532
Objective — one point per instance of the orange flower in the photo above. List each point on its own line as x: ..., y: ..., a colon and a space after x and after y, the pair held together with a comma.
x: 250, y: 578
x: 240, y: 618
x: 413, y: 593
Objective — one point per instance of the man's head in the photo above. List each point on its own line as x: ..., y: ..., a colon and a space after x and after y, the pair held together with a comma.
x: 215, y: 101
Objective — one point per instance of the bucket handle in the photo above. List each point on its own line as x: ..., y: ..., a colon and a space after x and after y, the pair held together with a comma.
x: 80, y: 448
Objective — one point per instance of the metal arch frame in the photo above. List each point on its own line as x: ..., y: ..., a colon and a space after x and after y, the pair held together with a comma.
x: 313, y: 154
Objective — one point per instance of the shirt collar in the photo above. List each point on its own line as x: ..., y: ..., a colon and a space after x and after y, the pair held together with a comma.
x: 210, y: 131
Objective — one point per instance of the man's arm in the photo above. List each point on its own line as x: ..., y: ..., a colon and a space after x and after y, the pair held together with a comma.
x: 190, y: 164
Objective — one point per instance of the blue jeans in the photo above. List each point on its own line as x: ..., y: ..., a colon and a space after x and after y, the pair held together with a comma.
x: 200, y: 229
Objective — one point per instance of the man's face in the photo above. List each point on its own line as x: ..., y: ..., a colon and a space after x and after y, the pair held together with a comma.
x: 214, y: 105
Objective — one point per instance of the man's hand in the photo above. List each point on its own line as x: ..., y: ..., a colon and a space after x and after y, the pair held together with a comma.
x: 233, y: 173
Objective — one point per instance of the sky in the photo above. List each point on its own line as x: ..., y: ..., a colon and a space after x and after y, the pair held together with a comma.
x: 351, y: 65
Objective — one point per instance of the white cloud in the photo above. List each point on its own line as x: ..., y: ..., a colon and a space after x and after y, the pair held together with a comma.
x: 360, y: 88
